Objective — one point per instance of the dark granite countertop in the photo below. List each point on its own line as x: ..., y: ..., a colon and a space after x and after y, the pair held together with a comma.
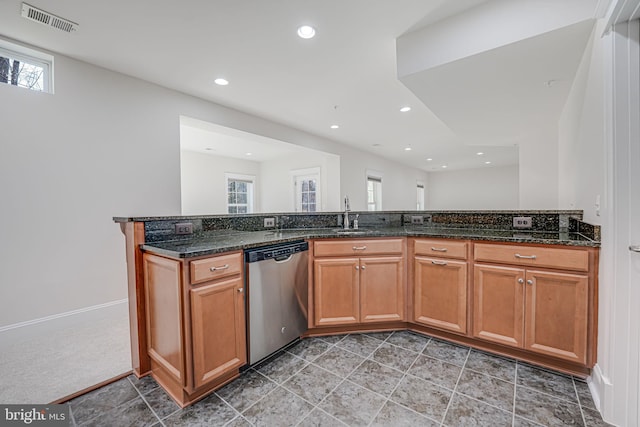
x: 214, y: 242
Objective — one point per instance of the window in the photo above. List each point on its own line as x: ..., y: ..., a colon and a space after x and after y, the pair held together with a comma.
x: 420, y: 197
x: 27, y: 68
x: 374, y: 192
x: 306, y: 187
x: 240, y: 193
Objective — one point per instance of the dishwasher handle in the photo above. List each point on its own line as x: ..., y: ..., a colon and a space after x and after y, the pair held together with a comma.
x: 283, y: 259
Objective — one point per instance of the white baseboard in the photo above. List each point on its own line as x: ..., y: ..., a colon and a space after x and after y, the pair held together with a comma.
x: 601, y: 391
x: 30, y: 329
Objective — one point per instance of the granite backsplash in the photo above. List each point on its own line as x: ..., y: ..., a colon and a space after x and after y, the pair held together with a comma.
x: 159, y: 229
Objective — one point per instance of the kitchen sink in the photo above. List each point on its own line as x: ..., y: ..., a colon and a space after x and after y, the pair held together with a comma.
x: 344, y: 232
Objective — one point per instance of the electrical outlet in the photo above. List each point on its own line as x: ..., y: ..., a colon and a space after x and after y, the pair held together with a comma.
x: 184, y: 228
x: 522, y: 222
x: 269, y: 222
x: 417, y: 219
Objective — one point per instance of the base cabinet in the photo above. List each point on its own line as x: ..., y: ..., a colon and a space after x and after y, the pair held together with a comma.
x: 195, y: 323
x: 217, y: 329
x: 540, y: 310
x: 337, y: 291
x: 358, y: 289
x: 440, y: 283
x: 440, y: 293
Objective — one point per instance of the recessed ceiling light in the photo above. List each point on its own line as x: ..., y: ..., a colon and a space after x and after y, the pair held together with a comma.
x: 480, y: 153
x: 444, y: 166
x: 248, y: 154
x: 487, y: 163
x: 221, y: 82
x: 334, y: 126
x: 405, y: 109
x: 407, y: 148
x: 429, y: 159
x: 306, y: 31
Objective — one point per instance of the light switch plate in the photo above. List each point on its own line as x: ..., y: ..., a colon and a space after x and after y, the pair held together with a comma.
x: 269, y: 222
x: 522, y: 222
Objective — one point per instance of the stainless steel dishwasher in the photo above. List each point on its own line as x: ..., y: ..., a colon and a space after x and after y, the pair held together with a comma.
x: 277, y: 297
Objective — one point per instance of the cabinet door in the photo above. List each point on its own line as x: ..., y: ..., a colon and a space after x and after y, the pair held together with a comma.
x: 336, y: 293
x: 382, y: 289
x: 556, y: 314
x: 440, y: 293
x: 164, y: 314
x: 498, y: 304
x: 218, y: 329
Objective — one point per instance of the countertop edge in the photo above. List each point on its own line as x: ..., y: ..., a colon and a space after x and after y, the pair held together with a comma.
x: 248, y: 240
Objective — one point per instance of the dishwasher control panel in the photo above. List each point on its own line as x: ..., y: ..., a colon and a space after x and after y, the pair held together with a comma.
x: 275, y: 252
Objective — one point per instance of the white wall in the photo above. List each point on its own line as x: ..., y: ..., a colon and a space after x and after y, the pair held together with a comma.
x: 204, y: 185
x: 399, y: 182
x: 538, y: 170
x: 477, y: 189
x: 582, y: 135
x: 277, y: 185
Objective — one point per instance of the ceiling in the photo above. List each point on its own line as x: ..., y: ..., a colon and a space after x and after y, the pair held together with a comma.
x: 346, y: 75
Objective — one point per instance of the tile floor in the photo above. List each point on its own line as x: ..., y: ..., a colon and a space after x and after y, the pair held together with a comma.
x: 376, y: 379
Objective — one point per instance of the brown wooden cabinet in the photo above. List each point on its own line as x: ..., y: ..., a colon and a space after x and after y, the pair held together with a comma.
x: 368, y: 286
x: 541, y: 310
x: 195, y: 322
x: 440, y: 284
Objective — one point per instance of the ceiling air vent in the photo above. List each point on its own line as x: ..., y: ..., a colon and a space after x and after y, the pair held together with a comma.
x: 48, y: 19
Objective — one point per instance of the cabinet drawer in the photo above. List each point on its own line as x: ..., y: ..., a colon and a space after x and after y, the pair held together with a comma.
x: 564, y: 258
x: 212, y: 268
x: 441, y: 248
x: 358, y: 247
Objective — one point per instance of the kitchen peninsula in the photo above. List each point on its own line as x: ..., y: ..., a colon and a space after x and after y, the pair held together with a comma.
x: 466, y: 277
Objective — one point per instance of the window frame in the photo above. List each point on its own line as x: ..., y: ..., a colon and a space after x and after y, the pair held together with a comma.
x: 376, y: 178
x: 420, y: 198
x: 32, y: 57
x: 299, y: 175
x: 251, y: 192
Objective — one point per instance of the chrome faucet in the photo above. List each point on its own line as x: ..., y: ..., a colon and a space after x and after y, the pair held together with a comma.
x: 345, y: 219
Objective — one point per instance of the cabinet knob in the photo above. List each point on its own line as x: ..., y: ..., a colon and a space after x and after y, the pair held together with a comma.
x: 521, y: 280
x: 529, y: 282
x: 357, y: 267
x: 240, y: 290
x: 364, y: 266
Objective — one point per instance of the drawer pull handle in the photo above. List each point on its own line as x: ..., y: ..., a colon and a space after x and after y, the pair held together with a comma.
x: 439, y: 249
x: 525, y: 256
x: 359, y: 248
x: 224, y: 267
x: 521, y: 280
x: 634, y: 248
x: 439, y: 262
